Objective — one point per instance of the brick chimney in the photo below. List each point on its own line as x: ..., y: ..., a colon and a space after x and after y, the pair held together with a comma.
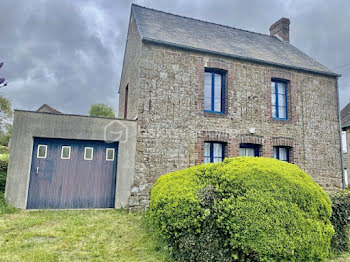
x: 280, y: 29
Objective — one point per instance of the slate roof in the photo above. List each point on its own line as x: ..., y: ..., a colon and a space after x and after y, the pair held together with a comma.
x: 345, y: 116
x: 173, y: 30
x: 48, y: 109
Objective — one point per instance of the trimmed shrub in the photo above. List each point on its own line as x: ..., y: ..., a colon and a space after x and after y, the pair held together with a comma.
x: 340, y: 220
x: 243, y: 209
x: 4, y: 158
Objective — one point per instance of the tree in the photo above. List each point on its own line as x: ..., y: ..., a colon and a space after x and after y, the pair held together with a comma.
x: 2, y: 80
x: 101, y: 110
x: 5, y: 106
x: 5, y: 136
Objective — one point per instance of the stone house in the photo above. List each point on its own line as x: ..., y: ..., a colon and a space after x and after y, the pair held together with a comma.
x: 345, y: 123
x: 191, y: 92
x: 203, y: 91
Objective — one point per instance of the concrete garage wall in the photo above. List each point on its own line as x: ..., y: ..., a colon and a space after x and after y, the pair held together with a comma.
x: 28, y: 125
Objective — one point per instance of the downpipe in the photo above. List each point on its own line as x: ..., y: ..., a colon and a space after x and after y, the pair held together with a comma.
x: 340, y: 136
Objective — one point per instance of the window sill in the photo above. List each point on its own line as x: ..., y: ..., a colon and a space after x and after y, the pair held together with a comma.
x: 281, y: 119
x: 214, y: 114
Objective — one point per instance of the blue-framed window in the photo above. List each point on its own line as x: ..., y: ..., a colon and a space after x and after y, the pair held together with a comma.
x: 249, y: 150
x: 279, y: 99
x: 281, y: 153
x: 214, y: 90
x: 214, y: 152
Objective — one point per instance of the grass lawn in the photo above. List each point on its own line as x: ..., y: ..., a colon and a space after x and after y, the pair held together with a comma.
x: 86, y: 235
x: 94, y: 235
x: 341, y: 258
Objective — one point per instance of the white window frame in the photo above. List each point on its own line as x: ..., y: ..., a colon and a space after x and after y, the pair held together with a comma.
x: 37, y: 153
x: 113, y: 150
x: 92, y: 153
x: 346, y: 177
x: 344, y: 142
x: 70, y: 149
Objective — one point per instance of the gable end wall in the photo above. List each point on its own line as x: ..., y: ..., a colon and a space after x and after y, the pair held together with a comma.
x: 131, y: 69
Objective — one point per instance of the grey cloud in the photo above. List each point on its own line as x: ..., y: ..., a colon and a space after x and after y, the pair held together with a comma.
x: 69, y: 54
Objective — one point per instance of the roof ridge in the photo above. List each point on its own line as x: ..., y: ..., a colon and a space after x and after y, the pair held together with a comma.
x: 199, y: 20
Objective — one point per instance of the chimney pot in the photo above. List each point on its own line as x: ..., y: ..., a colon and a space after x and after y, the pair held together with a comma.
x: 280, y: 29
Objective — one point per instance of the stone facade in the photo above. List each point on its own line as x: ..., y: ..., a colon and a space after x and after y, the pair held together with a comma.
x: 347, y: 154
x: 166, y: 95
x: 345, y: 121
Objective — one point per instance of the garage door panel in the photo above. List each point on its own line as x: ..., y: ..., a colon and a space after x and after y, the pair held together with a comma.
x: 74, y: 182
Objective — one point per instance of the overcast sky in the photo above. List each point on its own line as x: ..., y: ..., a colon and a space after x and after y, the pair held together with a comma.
x: 69, y: 54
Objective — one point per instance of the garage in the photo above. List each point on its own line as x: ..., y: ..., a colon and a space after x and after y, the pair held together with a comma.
x: 68, y: 173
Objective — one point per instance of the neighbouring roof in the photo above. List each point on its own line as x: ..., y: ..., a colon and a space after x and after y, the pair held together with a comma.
x: 188, y: 33
x: 48, y: 109
x: 345, y: 116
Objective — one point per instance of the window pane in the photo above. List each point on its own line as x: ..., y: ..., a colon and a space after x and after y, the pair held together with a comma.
x: 110, y: 154
x: 273, y: 99
x: 250, y: 151
x: 88, y: 153
x: 242, y: 152
x: 217, y: 150
x: 207, y: 150
x: 217, y: 80
x: 274, y: 111
x: 207, y: 91
x: 247, y: 151
x: 282, y: 111
x: 206, y: 159
x: 207, y: 103
x: 65, y: 153
x: 217, y: 106
x: 281, y: 88
x: 275, y: 155
x: 217, y: 93
x: 273, y: 88
x: 42, y: 151
x: 283, y: 153
x: 281, y: 100
x: 207, y: 78
x: 217, y: 159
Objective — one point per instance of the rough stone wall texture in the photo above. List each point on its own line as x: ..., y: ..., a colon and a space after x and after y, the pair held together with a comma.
x: 130, y: 74
x: 172, y: 125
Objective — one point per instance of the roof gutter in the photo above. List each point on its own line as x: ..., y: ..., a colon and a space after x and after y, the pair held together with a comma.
x: 245, y: 58
x: 340, y: 136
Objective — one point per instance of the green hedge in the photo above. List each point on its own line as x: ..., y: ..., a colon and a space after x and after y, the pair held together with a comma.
x: 244, y: 209
x: 3, y: 171
x: 340, y: 220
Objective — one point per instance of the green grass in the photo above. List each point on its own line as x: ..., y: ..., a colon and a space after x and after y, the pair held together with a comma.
x: 87, y: 235
x: 5, y: 208
x: 340, y: 258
